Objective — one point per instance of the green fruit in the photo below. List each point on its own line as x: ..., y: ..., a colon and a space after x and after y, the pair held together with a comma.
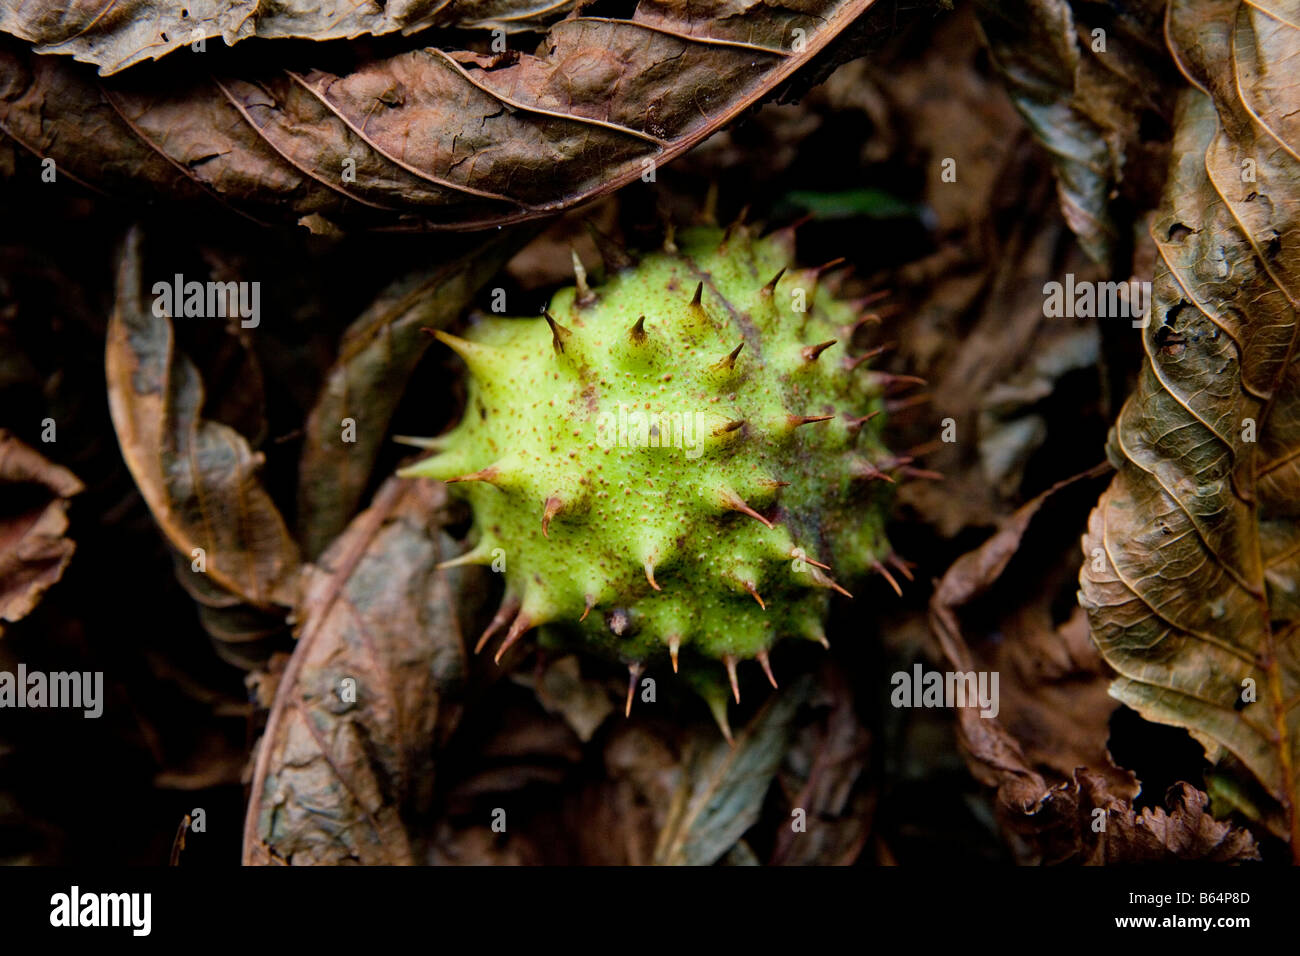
x: 675, y: 460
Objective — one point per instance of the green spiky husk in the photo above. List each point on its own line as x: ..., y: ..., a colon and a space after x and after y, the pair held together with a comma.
x: 641, y: 550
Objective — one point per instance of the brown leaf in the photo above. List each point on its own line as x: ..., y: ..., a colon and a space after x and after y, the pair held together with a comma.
x: 1046, y: 749
x: 1085, y: 94
x: 561, y: 689
x: 427, y: 138
x: 336, y: 780
x: 1082, y: 821
x: 134, y: 30
x: 34, y: 497
x: 198, y: 477
x: 378, y: 353
x: 1192, y: 556
x: 617, y: 820
x: 822, y: 770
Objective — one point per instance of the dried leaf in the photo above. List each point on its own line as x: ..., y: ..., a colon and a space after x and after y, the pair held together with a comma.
x: 1192, y: 557
x: 720, y: 793
x: 34, y: 497
x: 427, y: 138
x: 822, y: 770
x: 1064, y: 824
x: 561, y: 689
x: 1046, y: 749
x: 134, y: 30
x: 376, y: 358
x: 1052, y: 704
x: 1085, y: 90
x: 339, y: 777
x: 199, y: 477
x: 616, y: 820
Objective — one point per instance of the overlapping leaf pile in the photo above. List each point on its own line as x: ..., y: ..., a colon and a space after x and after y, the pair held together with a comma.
x: 437, y: 137
x: 126, y: 33
x: 1191, y: 571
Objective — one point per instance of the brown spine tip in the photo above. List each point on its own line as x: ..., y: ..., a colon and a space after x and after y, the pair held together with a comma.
x: 729, y: 661
x: 797, y: 420
x: 854, y: 425
x: 728, y: 361
x: 828, y: 266
x: 591, y: 603
x: 871, y: 298
x: 736, y: 503
x: 904, y: 567
x: 697, y: 300
x: 674, y: 646
x: 767, y: 667
x: 893, y: 383
x: 769, y: 290
x: 509, y: 608
x: 825, y: 582
x: 521, y: 624
x: 488, y: 474
x: 730, y: 426
x: 884, y: 572
x: 650, y: 576
x: 810, y: 352
x: 753, y: 592
x: 795, y: 553
x: 853, y: 361
x: 633, y: 673
x: 558, y: 332
x: 862, y: 470
x: 553, y: 506
x: 875, y: 317
x: 637, y: 332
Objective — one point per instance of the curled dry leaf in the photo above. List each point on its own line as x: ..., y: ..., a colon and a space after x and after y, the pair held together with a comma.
x: 1062, y: 826
x: 34, y: 497
x: 346, y: 762
x: 115, y: 37
x: 198, y: 477
x: 1191, y: 573
x: 1085, y: 91
x: 1045, y: 750
x: 428, y: 138
x: 378, y: 353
